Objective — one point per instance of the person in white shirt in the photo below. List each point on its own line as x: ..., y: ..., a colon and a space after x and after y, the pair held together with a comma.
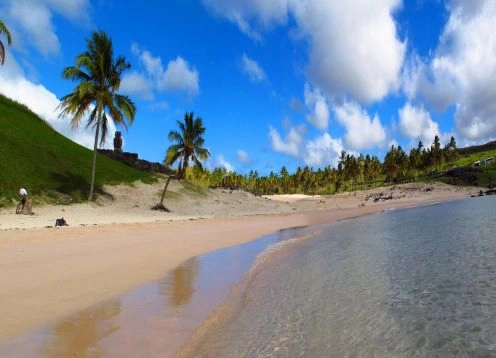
x: 24, y: 194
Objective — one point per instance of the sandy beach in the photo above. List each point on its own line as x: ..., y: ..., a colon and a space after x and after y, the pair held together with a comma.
x: 118, y: 243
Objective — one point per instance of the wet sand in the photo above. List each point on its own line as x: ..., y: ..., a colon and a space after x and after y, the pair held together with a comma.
x: 154, y: 319
x: 49, y: 274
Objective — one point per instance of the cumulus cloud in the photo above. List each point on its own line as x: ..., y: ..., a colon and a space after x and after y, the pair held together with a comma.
x: 463, y: 69
x: 265, y: 13
x: 243, y: 157
x: 135, y: 83
x: 31, y: 21
x: 416, y: 123
x: 252, y: 69
x: 354, y: 50
x: 319, y: 110
x: 152, y: 64
x: 362, y: 132
x: 323, y: 150
x: 181, y: 77
x: 290, y: 145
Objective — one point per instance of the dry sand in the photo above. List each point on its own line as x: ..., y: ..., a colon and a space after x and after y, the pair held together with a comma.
x: 117, y: 243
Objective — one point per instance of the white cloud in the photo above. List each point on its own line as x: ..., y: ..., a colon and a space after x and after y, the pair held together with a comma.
x: 220, y: 161
x: 362, y: 132
x: 241, y: 12
x: 252, y: 69
x: 290, y: 145
x: 153, y: 65
x: 31, y: 21
x: 243, y: 157
x: 35, y: 21
x: 462, y: 71
x: 319, y: 110
x: 322, y: 151
x: 416, y: 123
x: 180, y: 76
x: 354, y: 50
x: 135, y: 83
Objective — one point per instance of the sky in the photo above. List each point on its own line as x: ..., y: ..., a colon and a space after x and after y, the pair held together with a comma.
x: 277, y: 83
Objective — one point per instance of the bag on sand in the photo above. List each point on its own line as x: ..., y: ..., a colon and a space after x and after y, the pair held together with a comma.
x: 61, y: 222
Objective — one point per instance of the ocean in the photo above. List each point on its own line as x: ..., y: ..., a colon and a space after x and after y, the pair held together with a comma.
x: 416, y: 282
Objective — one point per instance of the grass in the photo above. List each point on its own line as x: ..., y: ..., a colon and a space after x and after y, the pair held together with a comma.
x: 194, y: 190
x: 52, y: 167
x: 483, y: 175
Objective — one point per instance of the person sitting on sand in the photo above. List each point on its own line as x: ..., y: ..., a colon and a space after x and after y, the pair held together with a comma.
x: 24, y: 195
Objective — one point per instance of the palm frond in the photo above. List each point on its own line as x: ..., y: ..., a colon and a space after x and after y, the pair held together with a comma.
x: 5, y: 31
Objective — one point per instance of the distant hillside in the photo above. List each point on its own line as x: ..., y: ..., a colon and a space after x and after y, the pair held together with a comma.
x: 49, y: 165
x: 478, y: 148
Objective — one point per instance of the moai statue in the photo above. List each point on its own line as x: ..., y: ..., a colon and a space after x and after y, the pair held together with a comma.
x: 118, y: 142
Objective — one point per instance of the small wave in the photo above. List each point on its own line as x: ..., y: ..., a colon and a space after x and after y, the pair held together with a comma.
x: 276, y: 249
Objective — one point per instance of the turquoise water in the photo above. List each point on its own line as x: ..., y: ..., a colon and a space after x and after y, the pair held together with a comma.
x: 418, y: 282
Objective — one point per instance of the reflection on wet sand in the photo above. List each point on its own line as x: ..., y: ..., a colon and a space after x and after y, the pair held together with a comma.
x: 98, y: 330
x: 80, y: 335
x: 182, y: 287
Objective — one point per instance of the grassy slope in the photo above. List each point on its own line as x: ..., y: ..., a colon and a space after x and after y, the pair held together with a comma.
x: 51, y: 166
x: 486, y: 174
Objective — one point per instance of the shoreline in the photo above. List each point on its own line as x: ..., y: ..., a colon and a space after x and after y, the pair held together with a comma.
x: 48, y: 274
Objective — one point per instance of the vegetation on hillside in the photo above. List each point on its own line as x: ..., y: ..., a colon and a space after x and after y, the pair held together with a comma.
x: 52, y: 167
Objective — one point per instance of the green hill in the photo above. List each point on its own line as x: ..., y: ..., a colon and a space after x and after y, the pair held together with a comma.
x: 52, y: 167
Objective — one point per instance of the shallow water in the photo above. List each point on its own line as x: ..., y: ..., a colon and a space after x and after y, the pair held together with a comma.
x: 419, y: 282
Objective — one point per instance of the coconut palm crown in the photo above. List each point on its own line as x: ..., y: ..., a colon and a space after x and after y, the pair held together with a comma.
x: 4, y: 31
x: 189, y: 144
x: 99, y: 77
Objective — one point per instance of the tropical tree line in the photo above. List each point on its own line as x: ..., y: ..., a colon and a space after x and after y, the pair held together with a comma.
x: 353, y: 172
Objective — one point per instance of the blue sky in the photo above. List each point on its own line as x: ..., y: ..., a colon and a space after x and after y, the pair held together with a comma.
x: 280, y: 82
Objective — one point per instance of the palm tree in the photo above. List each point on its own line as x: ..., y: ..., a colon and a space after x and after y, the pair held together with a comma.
x: 99, y: 77
x: 4, y: 31
x: 189, y: 144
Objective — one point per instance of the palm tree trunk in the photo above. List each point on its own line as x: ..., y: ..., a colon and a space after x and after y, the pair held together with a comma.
x: 95, y: 150
x: 165, y: 189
